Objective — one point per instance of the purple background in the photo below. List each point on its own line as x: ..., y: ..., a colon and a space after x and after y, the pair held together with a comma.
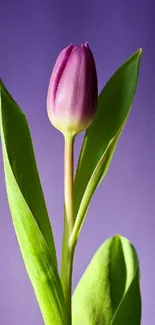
x: 31, y: 35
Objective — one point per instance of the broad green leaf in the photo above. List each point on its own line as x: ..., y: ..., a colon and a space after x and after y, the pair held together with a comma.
x: 101, y: 137
x: 109, y: 291
x: 21, y: 157
x: 29, y: 212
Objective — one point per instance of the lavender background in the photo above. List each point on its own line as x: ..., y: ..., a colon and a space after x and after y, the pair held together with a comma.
x: 32, y: 33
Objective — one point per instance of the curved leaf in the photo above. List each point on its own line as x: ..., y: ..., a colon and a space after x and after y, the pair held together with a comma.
x: 20, y: 153
x: 102, y: 136
x: 108, y: 292
x: 29, y: 212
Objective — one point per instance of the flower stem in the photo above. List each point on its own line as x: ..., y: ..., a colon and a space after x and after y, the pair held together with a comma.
x: 67, y: 253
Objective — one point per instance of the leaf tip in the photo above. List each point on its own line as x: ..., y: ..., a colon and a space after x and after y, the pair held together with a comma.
x: 117, y: 236
x: 1, y: 84
x: 139, y: 51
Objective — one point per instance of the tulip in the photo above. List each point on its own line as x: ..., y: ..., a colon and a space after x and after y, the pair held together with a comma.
x: 72, y: 93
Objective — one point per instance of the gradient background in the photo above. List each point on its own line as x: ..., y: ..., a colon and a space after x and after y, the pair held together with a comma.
x: 32, y: 33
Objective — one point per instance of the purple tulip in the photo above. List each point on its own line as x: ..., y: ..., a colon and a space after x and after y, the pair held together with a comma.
x: 72, y: 93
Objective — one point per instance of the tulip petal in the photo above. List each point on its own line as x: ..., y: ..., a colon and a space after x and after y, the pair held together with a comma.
x: 56, y: 74
x: 72, y: 93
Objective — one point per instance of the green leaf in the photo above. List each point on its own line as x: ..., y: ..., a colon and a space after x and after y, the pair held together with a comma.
x: 109, y: 291
x: 29, y: 212
x: 102, y: 136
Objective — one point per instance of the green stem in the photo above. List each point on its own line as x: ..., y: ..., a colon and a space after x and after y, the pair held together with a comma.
x: 67, y: 253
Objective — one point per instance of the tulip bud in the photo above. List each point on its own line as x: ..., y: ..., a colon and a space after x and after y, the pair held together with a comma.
x: 72, y: 93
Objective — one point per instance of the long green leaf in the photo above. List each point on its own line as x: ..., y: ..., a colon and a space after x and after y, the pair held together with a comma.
x: 109, y: 292
x: 29, y: 212
x: 20, y: 153
x: 101, y: 137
